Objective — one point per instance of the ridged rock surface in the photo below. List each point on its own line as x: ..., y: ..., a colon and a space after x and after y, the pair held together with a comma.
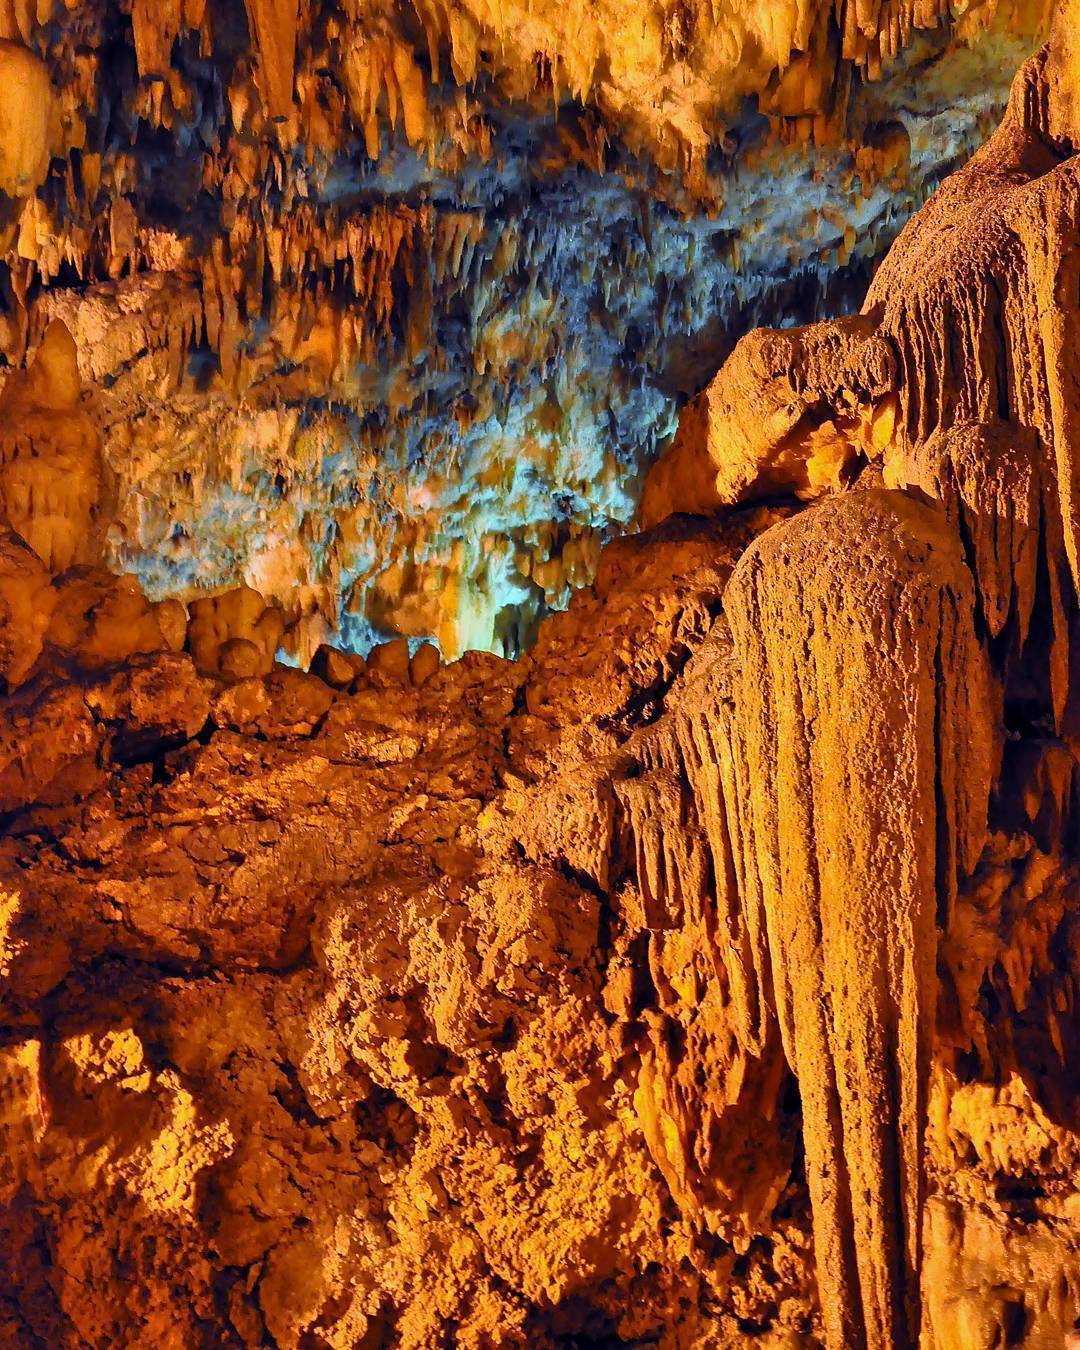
x: 706, y: 974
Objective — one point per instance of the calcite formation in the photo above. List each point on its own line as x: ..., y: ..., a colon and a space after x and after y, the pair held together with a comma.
x: 700, y: 968
x: 27, y: 120
x: 791, y: 410
x: 51, y: 472
x: 385, y: 309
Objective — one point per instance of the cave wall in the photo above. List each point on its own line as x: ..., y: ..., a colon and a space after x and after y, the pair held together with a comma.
x: 704, y: 974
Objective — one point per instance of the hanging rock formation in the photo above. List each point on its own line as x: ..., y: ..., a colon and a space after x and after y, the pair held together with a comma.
x: 272, y: 25
x: 705, y: 970
x: 385, y: 310
x: 27, y: 120
x: 868, y: 732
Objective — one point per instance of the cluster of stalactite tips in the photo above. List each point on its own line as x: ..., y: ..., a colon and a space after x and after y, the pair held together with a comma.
x: 384, y: 307
x: 706, y: 973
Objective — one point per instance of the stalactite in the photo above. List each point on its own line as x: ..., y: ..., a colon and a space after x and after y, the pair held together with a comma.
x: 868, y: 729
x: 273, y: 25
x: 698, y: 745
x: 156, y: 26
x: 28, y: 120
x: 990, y: 482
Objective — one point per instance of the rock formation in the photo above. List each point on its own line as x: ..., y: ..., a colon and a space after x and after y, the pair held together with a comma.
x: 789, y: 410
x: 701, y: 969
x: 386, y: 309
x: 50, y: 457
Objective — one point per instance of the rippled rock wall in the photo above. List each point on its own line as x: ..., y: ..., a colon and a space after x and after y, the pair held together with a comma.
x: 703, y: 973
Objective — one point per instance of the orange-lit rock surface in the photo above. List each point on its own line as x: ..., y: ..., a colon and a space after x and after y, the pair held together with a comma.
x: 50, y: 457
x: 704, y: 976
x: 385, y: 309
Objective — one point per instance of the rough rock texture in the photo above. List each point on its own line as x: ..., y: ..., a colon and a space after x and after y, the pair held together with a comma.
x: 789, y: 410
x: 867, y: 733
x: 383, y: 309
x: 395, y: 1061
x: 705, y: 975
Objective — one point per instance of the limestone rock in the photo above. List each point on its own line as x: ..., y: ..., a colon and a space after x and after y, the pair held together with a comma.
x: 388, y: 663
x: 97, y: 620
x: 690, y: 958
x: 26, y: 602
x: 152, y: 705
x: 172, y: 623
x: 235, y: 634
x: 242, y: 705
x: 298, y: 702
x: 789, y: 411
x: 861, y: 679
x: 423, y: 664
x: 51, y: 482
x: 337, y: 668
x: 28, y: 120
x: 240, y: 659
x: 48, y: 746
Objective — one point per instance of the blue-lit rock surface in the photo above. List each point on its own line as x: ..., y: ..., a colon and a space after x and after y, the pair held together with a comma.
x: 401, y: 358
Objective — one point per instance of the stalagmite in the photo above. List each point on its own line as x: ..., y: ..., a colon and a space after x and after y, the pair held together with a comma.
x: 869, y: 731
x: 235, y: 634
x: 51, y: 474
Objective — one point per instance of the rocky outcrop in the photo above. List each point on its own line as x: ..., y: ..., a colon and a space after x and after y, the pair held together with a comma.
x: 461, y: 1029
x: 790, y: 411
x: 527, y: 1013
x: 705, y: 974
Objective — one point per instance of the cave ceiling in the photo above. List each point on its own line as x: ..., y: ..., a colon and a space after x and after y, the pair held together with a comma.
x: 386, y: 309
